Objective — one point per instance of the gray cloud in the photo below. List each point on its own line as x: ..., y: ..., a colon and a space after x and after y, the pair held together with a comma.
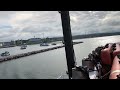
x: 27, y: 24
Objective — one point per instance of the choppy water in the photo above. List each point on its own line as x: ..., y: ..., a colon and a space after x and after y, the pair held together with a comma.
x: 47, y: 65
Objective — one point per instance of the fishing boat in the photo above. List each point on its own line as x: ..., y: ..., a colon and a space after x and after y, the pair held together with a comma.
x: 101, y: 63
x: 6, y: 53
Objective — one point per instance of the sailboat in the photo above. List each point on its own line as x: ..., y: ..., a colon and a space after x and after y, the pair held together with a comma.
x: 23, y: 45
x: 44, y: 43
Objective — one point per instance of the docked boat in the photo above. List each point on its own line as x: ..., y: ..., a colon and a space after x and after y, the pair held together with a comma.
x: 23, y: 47
x: 6, y: 53
x: 53, y: 43
x: 44, y: 44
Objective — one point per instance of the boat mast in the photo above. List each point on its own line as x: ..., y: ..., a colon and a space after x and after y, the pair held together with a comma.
x: 70, y: 56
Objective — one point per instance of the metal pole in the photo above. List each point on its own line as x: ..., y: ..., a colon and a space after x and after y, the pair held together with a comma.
x: 68, y: 41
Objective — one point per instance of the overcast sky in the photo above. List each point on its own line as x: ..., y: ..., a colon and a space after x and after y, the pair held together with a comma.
x: 27, y: 24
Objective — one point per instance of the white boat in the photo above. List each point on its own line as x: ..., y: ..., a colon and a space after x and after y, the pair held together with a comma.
x: 44, y: 44
x: 23, y: 47
x: 6, y: 53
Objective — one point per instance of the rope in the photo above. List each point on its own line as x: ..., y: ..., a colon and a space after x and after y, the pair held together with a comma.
x: 105, y: 75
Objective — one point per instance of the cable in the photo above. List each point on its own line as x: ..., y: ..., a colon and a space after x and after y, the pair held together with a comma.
x: 105, y: 75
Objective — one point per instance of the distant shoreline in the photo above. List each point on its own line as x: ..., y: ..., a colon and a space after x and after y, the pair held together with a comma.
x: 75, y: 37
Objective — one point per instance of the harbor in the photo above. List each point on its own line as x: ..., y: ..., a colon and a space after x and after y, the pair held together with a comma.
x: 11, y: 57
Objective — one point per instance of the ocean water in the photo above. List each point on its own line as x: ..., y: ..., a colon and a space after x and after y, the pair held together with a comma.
x: 47, y: 65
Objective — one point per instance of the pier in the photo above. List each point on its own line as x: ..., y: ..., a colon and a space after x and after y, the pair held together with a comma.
x: 11, y: 57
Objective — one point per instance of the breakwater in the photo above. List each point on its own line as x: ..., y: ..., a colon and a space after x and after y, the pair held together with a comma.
x: 11, y: 57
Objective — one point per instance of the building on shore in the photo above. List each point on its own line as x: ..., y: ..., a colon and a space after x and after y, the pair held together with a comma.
x: 34, y: 41
x: 8, y: 44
